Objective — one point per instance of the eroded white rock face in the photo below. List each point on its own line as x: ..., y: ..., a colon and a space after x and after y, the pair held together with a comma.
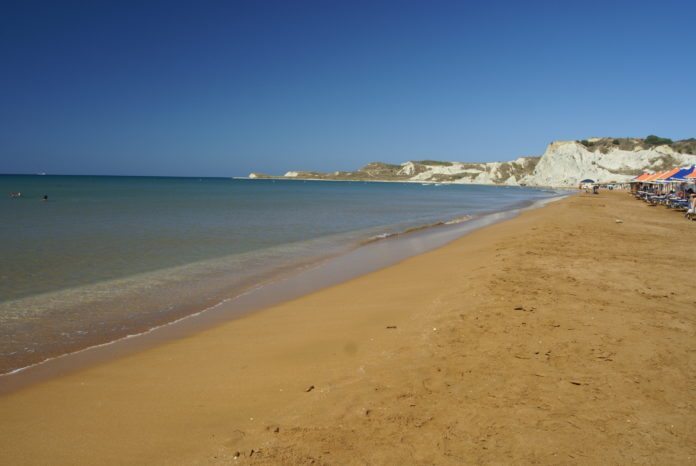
x: 566, y: 163
x: 563, y: 164
x: 665, y: 150
x: 408, y: 169
x: 433, y: 170
x: 469, y: 173
x: 511, y: 181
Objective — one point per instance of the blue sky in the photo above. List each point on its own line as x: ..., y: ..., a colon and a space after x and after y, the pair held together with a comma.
x: 224, y: 88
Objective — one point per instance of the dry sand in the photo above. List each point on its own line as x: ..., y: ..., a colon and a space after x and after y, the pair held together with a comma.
x: 561, y: 336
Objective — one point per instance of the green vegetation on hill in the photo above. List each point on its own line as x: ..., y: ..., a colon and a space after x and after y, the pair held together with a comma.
x: 604, y: 145
x: 379, y: 171
x: 380, y: 166
x: 685, y: 146
x: 653, y: 140
x: 433, y: 163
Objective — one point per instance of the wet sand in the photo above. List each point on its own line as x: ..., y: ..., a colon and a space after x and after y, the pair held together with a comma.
x: 561, y: 336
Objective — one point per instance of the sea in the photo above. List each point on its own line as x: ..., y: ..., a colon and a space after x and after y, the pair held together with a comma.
x: 107, y: 257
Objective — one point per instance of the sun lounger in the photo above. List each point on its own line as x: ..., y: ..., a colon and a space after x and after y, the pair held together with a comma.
x: 678, y: 204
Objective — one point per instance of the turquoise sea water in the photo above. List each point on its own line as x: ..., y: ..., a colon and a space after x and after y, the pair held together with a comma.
x: 105, y: 257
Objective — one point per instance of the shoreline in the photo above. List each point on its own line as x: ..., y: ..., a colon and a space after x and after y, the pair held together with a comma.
x: 538, y: 339
x: 354, y: 259
x: 421, y: 182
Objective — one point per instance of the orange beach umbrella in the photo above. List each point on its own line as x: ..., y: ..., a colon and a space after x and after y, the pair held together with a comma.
x: 653, y: 177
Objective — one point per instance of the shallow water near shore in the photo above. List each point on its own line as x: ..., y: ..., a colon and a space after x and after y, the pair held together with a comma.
x: 108, y: 257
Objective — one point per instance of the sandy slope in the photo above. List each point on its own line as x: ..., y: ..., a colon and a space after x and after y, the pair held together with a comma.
x: 561, y: 336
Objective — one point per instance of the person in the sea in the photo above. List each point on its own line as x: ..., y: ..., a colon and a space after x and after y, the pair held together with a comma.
x: 45, y: 197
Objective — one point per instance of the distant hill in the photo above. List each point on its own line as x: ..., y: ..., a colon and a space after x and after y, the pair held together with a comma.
x: 564, y: 163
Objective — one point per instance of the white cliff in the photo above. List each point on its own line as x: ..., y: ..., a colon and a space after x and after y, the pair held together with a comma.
x: 566, y: 163
x: 563, y: 164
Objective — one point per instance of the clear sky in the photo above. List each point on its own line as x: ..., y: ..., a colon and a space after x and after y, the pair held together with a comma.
x: 206, y: 88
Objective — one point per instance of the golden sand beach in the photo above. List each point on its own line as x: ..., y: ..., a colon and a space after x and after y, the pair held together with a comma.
x: 563, y: 336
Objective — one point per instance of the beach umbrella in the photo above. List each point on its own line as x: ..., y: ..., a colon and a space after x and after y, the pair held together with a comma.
x: 639, y: 181
x: 682, y: 174
x: 640, y: 177
x: 663, y: 177
x: 653, y: 177
x: 666, y: 175
x: 674, y: 177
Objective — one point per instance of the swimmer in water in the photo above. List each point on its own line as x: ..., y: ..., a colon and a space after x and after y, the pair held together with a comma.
x: 45, y: 197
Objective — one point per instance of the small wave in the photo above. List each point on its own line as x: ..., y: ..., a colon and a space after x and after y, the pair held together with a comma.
x: 457, y: 220
x: 422, y: 227
x: 392, y: 234
x: 379, y: 237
